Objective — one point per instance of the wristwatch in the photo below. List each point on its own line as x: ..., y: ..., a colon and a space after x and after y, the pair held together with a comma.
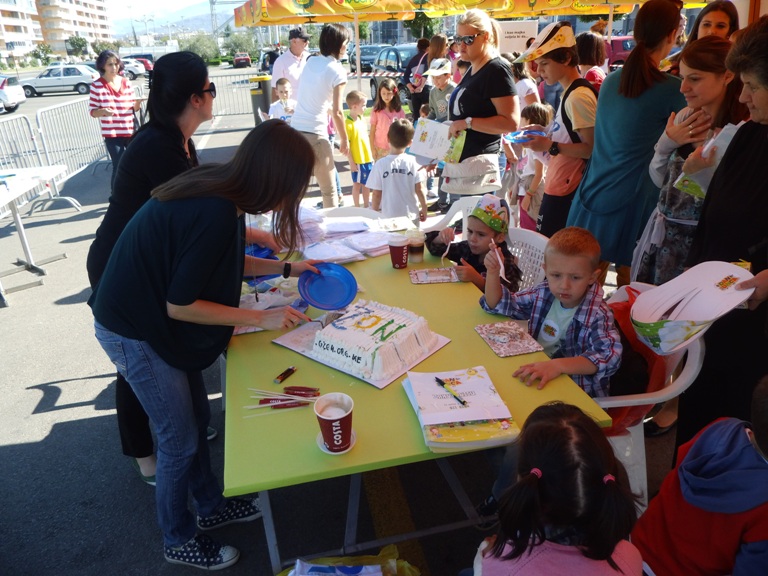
x: 554, y: 150
x: 468, y: 120
x: 286, y: 270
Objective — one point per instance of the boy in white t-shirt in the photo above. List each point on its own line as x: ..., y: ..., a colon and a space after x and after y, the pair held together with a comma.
x: 284, y: 106
x: 396, y: 180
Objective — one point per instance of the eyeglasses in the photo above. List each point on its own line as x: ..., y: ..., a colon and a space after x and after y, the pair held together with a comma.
x: 211, y: 88
x: 467, y: 40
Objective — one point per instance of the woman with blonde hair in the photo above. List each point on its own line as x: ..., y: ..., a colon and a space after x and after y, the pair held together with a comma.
x: 485, y: 103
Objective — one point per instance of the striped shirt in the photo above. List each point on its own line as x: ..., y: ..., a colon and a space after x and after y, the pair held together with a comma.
x: 103, y: 95
x: 591, y: 334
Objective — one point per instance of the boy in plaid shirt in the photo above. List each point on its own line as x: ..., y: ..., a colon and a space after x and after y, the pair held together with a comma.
x: 566, y: 314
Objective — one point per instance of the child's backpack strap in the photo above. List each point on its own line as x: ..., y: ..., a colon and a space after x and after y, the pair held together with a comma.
x: 578, y: 83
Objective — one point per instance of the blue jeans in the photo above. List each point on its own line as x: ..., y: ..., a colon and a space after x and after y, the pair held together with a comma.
x: 115, y: 149
x: 177, y: 405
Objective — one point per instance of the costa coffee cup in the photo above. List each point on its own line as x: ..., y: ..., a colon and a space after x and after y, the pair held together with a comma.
x: 398, y: 251
x: 334, y: 414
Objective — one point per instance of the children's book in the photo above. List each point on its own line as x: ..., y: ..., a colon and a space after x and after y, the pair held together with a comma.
x: 432, y: 143
x: 459, y: 410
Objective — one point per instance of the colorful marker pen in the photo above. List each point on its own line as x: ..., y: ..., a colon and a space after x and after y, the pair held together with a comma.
x: 285, y: 374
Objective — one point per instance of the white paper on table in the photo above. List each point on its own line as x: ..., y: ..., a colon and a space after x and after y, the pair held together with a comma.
x: 431, y: 139
x: 370, y: 242
x: 473, y: 385
x: 331, y: 252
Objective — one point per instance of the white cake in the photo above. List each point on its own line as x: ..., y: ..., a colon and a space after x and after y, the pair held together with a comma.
x: 374, y: 341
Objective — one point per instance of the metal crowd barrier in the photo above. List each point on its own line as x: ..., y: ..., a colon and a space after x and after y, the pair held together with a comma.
x: 18, y: 149
x: 70, y: 135
x: 233, y: 94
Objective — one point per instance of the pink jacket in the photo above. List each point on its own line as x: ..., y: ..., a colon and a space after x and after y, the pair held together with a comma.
x: 549, y: 558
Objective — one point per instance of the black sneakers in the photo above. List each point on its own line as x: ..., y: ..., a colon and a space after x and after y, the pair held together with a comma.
x: 235, y: 510
x: 204, y: 553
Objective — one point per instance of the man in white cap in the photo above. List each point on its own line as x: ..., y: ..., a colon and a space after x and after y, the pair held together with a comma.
x: 570, y: 136
x: 291, y: 63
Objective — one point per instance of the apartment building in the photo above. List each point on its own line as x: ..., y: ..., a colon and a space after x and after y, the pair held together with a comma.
x: 20, y: 29
x: 26, y: 23
x: 60, y: 19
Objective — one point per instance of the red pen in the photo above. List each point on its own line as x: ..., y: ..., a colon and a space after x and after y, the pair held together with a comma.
x: 285, y: 374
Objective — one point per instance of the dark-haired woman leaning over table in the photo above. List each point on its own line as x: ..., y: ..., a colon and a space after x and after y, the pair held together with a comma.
x: 734, y: 226
x: 166, y: 306
x: 180, y: 100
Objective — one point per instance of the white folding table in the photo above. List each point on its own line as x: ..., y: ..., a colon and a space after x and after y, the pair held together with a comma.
x: 14, y: 184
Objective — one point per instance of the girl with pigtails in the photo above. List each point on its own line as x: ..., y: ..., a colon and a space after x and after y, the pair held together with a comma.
x: 571, y: 509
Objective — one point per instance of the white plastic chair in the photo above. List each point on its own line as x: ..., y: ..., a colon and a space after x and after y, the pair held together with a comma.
x: 463, y: 205
x: 627, y: 437
x: 528, y: 246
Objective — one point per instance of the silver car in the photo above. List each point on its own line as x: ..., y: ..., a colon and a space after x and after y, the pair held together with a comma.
x: 11, y: 93
x: 67, y: 78
x: 133, y: 68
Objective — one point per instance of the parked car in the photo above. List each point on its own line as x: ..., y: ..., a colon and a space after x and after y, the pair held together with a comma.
x: 132, y: 69
x: 146, y: 56
x: 148, y: 65
x: 393, y: 59
x: 68, y: 78
x: 368, y: 53
x: 241, y: 60
x: 11, y: 93
x: 618, y: 50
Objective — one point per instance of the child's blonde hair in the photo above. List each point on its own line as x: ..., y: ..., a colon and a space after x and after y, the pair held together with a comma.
x: 283, y: 82
x: 355, y: 97
x: 574, y: 241
x: 538, y: 113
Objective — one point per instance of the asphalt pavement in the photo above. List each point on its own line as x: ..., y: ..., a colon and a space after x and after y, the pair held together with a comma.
x: 71, y: 502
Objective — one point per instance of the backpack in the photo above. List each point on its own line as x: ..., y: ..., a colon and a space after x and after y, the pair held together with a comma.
x: 578, y: 83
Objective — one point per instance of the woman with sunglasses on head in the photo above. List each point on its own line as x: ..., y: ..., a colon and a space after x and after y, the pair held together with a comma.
x: 166, y: 306
x: 485, y: 103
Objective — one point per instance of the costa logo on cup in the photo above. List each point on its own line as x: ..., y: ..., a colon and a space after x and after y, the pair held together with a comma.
x: 334, y: 415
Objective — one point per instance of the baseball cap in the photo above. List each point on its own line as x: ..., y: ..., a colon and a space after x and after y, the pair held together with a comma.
x: 561, y: 37
x: 438, y: 67
x: 298, y: 32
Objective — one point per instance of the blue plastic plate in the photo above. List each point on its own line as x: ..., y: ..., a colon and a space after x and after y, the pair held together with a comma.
x: 334, y: 288
x: 523, y: 136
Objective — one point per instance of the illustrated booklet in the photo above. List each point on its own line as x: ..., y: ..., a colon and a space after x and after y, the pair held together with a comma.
x: 459, y: 410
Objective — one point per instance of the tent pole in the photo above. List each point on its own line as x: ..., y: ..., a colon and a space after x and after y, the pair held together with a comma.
x: 357, y: 54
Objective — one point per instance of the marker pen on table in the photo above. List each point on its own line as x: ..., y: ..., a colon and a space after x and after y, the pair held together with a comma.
x: 285, y: 374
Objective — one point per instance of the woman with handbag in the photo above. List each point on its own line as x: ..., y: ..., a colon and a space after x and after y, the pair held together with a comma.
x: 484, y: 106
x: 415, y: 80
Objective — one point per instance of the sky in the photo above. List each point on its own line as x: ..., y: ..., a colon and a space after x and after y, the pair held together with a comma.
x: 158, y: 13
x: 161, y: 11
